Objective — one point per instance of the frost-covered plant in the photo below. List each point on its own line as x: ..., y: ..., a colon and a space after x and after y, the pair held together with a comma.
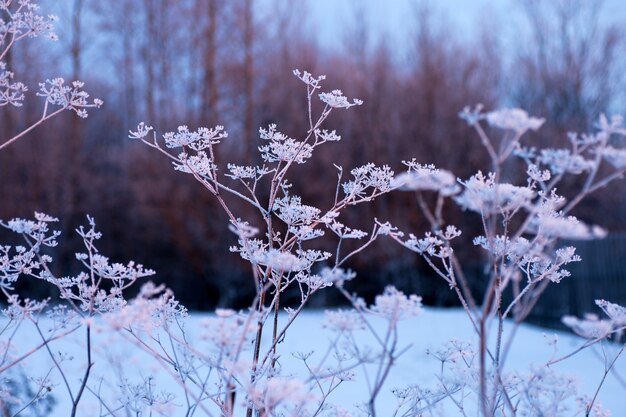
x: 607, y: 332
x: 282, y: 253
x: 234, y: 365
x: 21, y: 394
x: 21, y: 19
x: 522, y: 225
x: 95, y: 291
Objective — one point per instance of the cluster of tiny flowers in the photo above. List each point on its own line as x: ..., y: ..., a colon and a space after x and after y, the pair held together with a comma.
x: 84, y: 292
x: 567, y: 227
x: 84, y: 288
x: 306, y: 232
x: 387, y: 229
x: 17, y: 388
x: 199, y: 164
x: 37, y: 229
x: 539, y: 391
x: 243, y: 229
x: 562, y: 161
x: 80, y: 288
x: 434, y: 245
x: 592, y: 327
x: 395, y: 305
x: 530, y: 257
x: 615, y: 312
x: 326, y: 136
x: 336, y: 276
x: 280, y: 396
x: 337, y: 100
x: 281, y: 261
x: 345, y: 232
x: 454, y: 350
x: 426, y: 178
x: 537, y: 175
x: 544, y: 268
x: 15, y: 262
x: 283, y: 148
x: 57, y: 93
x: 368, y: 179
x: 248, y: 248
x: 501, y: 246
x: 22, y: 260
x: 142, y: 131
x: 549, y: 221
x: 153, y: 308
x: 278, y: 261
x: 238, y: 172
x: 309, y: 79
x: 24, y: 20
x: 199, y: 140
x: 19, y: 309
x: 450, y: 233
x: 291, y: 210
x: 343, y: 321
x: 312, y: 256
x: 313, y: 281
x: 11, y: 93
x: 582, y: 157
x: 472, y: 115
x: 483, y: 195
x: 516, y: 120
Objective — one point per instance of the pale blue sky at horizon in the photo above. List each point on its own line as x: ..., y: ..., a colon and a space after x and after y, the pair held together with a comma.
x: 329, y: 21
x: 394, y: 18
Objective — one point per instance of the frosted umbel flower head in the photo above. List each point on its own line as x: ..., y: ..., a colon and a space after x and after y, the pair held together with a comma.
x: 396, y: 305
x: 516, y: 120
x: 425, y: 178
x: 10, y: 92
x: 482, y: 194
x: 337, y: 100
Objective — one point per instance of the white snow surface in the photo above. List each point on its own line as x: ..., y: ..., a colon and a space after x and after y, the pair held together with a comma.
x: 115, y: 357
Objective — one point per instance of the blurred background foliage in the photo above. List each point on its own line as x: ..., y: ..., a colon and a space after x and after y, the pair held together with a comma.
x: 208, y: 62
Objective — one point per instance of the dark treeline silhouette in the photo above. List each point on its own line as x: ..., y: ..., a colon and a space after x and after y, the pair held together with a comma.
x: 209, y: 62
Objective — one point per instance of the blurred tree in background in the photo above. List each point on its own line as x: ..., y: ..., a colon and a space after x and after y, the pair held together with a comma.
x: 208, y: 62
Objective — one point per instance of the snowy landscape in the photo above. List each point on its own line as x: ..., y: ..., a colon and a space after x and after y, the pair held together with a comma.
x: 316, y: 271
x: 120, y: 362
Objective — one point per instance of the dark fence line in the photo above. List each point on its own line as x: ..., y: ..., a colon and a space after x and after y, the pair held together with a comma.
x: 600, y: 275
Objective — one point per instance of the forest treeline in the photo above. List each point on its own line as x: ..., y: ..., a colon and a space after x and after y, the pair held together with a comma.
x: 210, y: 62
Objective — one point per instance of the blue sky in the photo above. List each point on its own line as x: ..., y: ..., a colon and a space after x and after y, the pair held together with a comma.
x: 394, y: 18
x: 331, y: 20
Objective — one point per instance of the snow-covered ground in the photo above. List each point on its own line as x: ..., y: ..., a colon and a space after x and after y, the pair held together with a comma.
x: 116, y: 359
